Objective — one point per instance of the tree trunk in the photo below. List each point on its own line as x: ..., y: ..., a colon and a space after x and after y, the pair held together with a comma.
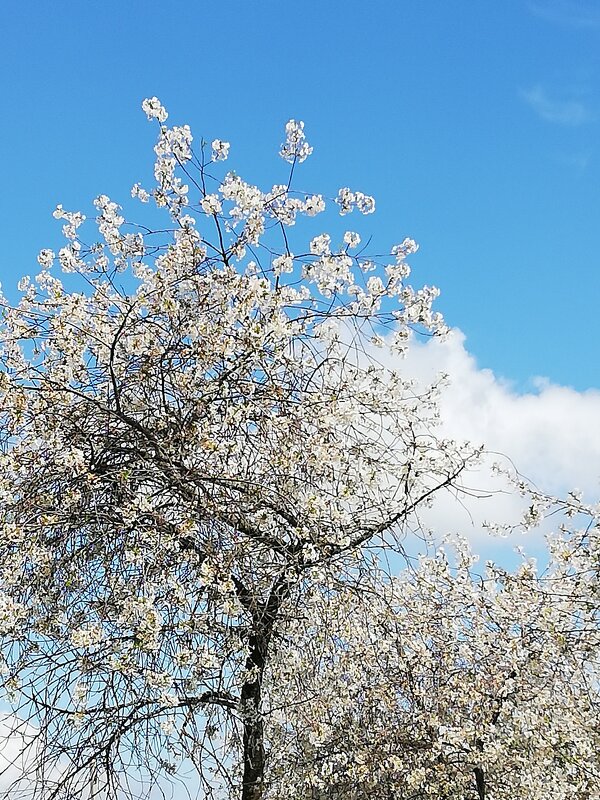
x: 263, y: 619
x: 254, y: 748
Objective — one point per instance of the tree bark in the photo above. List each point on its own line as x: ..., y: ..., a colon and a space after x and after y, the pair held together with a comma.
x: 264, y: 619
x: 253, y: 740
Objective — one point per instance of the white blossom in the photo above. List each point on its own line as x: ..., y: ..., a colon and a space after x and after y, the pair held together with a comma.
x: 351, y: 239
x: 348, y: 201
x: 46, y: 258
x: 314, y: 205
x: 153, y: 109
x: 320, y: 245
x: 211, y: 457
x: 283, y: 264
x: 295, y: 147
x: 220, y: 150
x: 211, y: 204
x: 140, y: 193
x: 86, y: 636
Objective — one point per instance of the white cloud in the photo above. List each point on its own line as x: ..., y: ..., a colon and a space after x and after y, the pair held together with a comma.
x: 22, y: 774
x: 552, y: 436
x: 569, y: 110
x: 17, y: 754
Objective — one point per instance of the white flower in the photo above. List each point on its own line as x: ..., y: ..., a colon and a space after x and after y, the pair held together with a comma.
x: 295, y: 147
x: 375, y: 285
x: 407, y: 248
x: 348, y: 201
x: 80, y: 693
x: 211, y: 204
x: 351, y: 239
x: 153, y: 109
x: 283, y: 264
x: 141, y: 194
x: 187, y: 222
x: 248, y: 199
x: 345, y: 200
x: 365, y: 203
x: 320, y: 244
x: 46, y: 258
x: 11, y: 614
x: 68, y: 259
x: 87, y: 636
x: 176, y: 141
x: 77, y: 719
x: 73, y: 220
x: 158, y: 680
x: 314, y: 205
x: 367, y: 265
x: 167, y: 726
x: 220, y: 150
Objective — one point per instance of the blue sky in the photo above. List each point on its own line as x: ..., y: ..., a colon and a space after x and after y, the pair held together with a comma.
x: 474, y: 124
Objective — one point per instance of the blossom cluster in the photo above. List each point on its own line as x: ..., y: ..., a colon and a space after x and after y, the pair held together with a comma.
x: 200, y: 454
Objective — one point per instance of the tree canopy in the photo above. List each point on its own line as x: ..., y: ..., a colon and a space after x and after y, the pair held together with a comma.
x: 209, y: 455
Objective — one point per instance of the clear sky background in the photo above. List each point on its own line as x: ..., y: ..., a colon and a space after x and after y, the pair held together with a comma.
x: 474, y: 124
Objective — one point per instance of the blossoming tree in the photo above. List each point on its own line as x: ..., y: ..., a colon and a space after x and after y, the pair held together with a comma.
x: 444, y: 683
x: 202, y: 462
